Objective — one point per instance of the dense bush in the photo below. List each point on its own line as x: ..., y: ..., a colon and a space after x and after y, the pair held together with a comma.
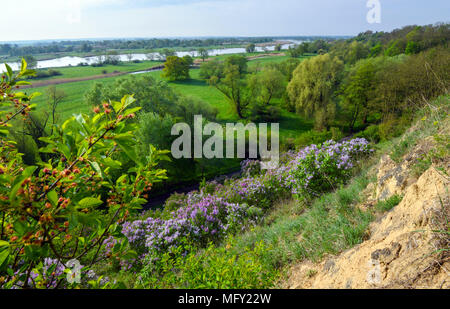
x: 318, y: 169
x: 202, y: 219
x: 50, y: 214
x: 212, y: 268
x: 219, y: 210
x: 45, y: 74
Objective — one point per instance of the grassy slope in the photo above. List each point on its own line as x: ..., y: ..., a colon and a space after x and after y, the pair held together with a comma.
x: 297, y: 231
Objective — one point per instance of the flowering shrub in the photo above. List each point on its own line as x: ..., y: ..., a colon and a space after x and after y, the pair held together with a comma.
x: 49, y: 214
x: 260, y: 191
x: 218, y: 210
x: 202, y: 220
x: 318, y: 169
x: 250, y: 168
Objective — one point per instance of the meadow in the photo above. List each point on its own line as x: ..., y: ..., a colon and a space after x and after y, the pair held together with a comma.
x: 291, y: 124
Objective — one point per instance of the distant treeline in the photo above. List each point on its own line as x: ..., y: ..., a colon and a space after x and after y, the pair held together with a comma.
x: 126, y: 44
x: 407, y: 40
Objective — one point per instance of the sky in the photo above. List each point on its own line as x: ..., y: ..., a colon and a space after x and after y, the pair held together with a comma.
x: 76, y: 19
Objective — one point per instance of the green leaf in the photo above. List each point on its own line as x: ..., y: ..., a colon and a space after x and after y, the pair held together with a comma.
x: 129, y: 151
x: 116, y: 105
x: 4, y: 253
x: 90, y: 202
x: 53, y: 197
x: 96, y: 167
x: 23, y: 69
x: 22, y: 83
x: 10, y: 71
x: 127, y: 101
x: 4, y: 133
x: 132, y: 111
x: 114, y: 164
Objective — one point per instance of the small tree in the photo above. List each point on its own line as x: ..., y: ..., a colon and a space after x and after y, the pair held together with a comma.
x: 166, y: 53
x: 130, y: 57
x: 203, y: 53
x: 176, y: 68
x: 358, y: 90
x: 230, y: 82
x: 312, y: 87
x: 250, y: 48
x: 267, y: 85
x: 54, y: 98
x: 112, y: 57
x: 150, y: 55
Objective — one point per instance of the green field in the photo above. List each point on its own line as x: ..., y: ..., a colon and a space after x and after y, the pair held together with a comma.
x: 291, y: 125
x: 85, y: 71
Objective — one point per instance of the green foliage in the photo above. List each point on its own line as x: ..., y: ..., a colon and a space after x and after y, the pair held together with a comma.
x: 213, y: 268
x: 376, y: 51
x: 312, y: 88
x: 358, y: 91
x: 203, y: 53
x: 176, y: 68
x: 371, y: 133
x: 228, y: 79
x: 51, y: 212
x: 312, y: 137
x: 412, y: 48
x: 394, y: 49
x: 250, y: 48
x: 266, y: 85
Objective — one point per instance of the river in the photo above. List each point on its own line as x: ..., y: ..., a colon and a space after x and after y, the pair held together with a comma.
x: 74, y: 61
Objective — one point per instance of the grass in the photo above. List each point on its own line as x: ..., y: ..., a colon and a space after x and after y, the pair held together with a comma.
x: 291, y: 124
x: 85, y: 71
x: 330, y: 225
x: 387, y: 205
x: 73, y: 102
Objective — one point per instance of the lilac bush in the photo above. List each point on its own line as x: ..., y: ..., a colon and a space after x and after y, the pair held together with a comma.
x: 204, y: 219
x: 216, y: 210
x: 318, y: 169
x: 250, y: 168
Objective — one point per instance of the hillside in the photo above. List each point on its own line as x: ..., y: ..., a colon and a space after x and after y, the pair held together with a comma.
x: 407, y: 247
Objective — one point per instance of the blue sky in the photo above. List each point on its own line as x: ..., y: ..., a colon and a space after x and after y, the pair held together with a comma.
x: 57, y: 19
